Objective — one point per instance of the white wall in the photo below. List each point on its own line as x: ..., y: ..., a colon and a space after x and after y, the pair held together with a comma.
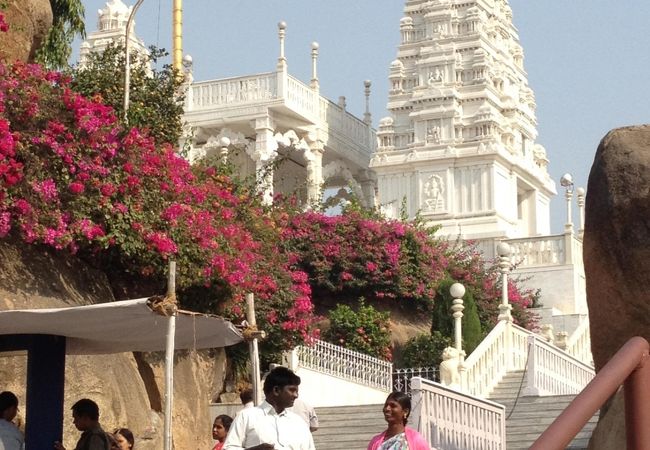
x: 320, y: 390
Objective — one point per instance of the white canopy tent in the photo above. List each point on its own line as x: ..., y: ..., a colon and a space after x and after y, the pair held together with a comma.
x: 124, y: 326
x: 115, y: 327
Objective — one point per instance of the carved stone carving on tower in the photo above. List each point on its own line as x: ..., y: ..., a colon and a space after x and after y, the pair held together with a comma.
x: 459, y: 98
x: 433, y: 193
x: 111, y: 28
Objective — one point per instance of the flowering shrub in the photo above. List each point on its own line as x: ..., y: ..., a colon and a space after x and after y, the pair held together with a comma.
x: 352, y: 255
x: 72, y: 178
x: 365, y: 330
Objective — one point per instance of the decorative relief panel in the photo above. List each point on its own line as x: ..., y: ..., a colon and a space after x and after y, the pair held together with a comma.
x: 433, y: 193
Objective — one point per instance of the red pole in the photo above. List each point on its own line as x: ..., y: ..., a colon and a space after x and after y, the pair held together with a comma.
x: 568, y: 424
x: 637, y: 406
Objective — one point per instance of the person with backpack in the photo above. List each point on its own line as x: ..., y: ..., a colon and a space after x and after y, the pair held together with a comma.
x: 85, y: 414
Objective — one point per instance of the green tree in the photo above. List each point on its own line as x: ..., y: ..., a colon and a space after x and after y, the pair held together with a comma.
x: 68, y: 22
x: 156, y: 98
x: 424, y: 350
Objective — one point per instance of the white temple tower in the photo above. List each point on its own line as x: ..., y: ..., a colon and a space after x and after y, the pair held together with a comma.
x: 459, y: 145
x: 111, y: 28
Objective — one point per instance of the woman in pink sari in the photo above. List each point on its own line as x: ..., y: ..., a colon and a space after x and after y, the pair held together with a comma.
x: 398, y: 436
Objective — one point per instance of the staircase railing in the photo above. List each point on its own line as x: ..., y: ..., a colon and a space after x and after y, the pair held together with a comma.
x: 509, y: 347
x: 341, y: 362
x: 451, y: 420
x: 631, y: 366
x: 551, y: 371
x: 503, y: 349
x: 579, y: 343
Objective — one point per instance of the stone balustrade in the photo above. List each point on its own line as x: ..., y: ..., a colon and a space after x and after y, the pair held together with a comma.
x: 302, y: 99
x: 546, y: 250
x: 453, y: 420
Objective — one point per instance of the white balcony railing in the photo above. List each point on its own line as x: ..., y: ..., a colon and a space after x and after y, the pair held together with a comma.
x: 546, y: 250
x: 296, y: 95
x: 209, y: 94
x: 552, y: 371
x: 451, y: 420
x: 341, y: 362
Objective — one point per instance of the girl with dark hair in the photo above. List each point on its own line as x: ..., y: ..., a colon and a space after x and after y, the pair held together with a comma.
x: 220, y: 430
x: 398, y: 436
x: 124, y: 438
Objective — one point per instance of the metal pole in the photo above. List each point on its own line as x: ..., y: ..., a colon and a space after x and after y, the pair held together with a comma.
x: 177, y: 35
x: 254, y: 351
x: 127, y: 60
x: 637, y: 406
x: 169, y: 358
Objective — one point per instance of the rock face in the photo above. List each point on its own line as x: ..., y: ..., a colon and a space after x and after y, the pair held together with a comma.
x: 616, y: 250
x: 29, y: 22
x: 128, y: 388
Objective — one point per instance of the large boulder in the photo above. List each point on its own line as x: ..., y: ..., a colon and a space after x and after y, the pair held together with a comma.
x: 127, y: 387
x: 29, y: 22
x: 616, y: 250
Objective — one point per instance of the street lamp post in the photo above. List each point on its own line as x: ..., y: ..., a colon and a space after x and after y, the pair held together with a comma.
x: 567, y: 182
x: 127, y: 60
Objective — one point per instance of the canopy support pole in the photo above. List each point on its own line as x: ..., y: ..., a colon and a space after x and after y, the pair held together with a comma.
x: 45, y: 388
x: 169, y: 357
x: 253, y: 350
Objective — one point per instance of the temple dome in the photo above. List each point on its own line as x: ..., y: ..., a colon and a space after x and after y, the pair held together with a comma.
x: 114, y: 15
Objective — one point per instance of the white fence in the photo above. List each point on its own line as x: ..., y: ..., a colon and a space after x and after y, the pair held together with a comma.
x: 451, y: 420
x: 341, y: 362
x: 552, y: 371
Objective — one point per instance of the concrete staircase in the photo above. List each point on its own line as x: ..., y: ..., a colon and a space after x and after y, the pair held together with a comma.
x: 532, y: 415
x: 348, y: 427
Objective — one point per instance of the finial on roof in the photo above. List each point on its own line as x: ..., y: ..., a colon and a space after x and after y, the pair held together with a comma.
x: 314, y: 63
x: 367, y: 117
x: 282, y: 31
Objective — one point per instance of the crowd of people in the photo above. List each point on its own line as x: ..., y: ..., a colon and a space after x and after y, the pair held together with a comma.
x: 281, y: 422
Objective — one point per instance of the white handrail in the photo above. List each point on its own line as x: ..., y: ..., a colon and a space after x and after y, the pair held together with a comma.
x: 552, y: 371
x: 343, y: 363
x: 451, y: 420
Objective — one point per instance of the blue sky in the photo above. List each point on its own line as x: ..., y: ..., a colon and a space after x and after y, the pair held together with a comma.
x: 588, y: 61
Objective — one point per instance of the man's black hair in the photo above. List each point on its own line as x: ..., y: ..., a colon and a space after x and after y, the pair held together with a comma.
x: 7, y: 400
x: 280, y: 377
x: 246, y: 396
x: 86, y: 408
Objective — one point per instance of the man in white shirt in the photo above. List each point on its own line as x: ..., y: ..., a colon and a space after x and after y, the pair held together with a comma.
x: 307, y: 412
x: 10, y: 436
x: 270, y: 426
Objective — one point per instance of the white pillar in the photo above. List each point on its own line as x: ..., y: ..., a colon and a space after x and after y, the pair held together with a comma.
x: 367, y: 117
x: 314, y: 66
x: 503, y: 250
x: 581, y: 208
x: 457, y: 292
x: 314, y: 173
x: 265, y: 152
